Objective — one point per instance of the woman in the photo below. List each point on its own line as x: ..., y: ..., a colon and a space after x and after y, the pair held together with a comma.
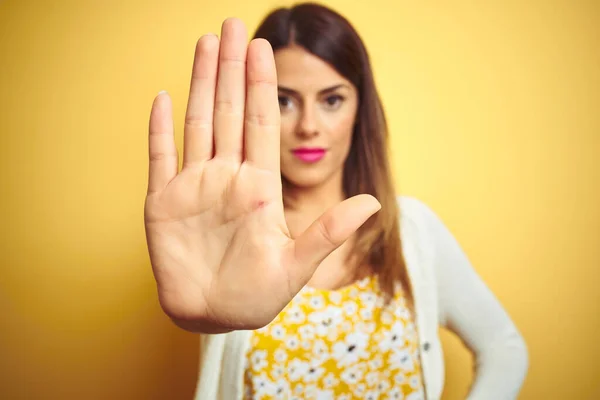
x: 283, y: 243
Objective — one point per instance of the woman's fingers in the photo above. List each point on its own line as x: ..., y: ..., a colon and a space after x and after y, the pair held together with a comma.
x: 262, y: 125
x: 198, y: 130
x: 163, y: 155
x: 231, y: 91
x: 329, y: 232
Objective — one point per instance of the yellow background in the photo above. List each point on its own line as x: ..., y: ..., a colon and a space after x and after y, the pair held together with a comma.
x: 493, y: 108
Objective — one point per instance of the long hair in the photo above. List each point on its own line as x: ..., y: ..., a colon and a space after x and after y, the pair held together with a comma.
x: 329, y: 36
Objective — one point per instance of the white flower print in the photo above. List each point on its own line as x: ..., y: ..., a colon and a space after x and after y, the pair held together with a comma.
x: 310, y: 391
x: 362, y: 283
x: 414, y: 382
x: 394, y: 338
x: 376, y: 362
x: 386, y: 317
x: 307, y: 332
x: 277, y: 371
x: 371, y: 395
x: 258, y: 360
x: 352, y: 375
x: 295, y: 315
x: 314, y: 373
x: 320, y: 350
x: 326, y: 319
x: 399, y: 378
x: 402, y: 313
x: 339, y: 345
x: 395, y: 394
x: 368, y: 298
x: 325, y: 395
x: 297, y: 369
x: 383, y: 385
x: 359, y: 390
x: 335, y: 297
x: 277, y: 332
x: 299, y: 389
x: 292, y: 343
x: 317, y: 302
x: 281, y: 389
x: 280, y: 355
x: 418, y: 395
x: 387, y: 374
x: 350, y: 308
x: 330, y: 381
x: 372, y: 378
x: 366, y: 327
x: 263, y: 386
x: 366, y: 314
x: 411, y: 330
x: 352, y: 349
x: 401, y: 359
x: 332, y: 335
x: 347, y: 326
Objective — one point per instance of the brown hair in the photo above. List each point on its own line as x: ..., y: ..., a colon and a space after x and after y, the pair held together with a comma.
x: 329, y: 36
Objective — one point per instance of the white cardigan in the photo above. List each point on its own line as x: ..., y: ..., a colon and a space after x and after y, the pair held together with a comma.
x: 447, y: 292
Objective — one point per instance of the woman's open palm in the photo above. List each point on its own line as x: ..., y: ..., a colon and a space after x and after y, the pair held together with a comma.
x: 221, y: 253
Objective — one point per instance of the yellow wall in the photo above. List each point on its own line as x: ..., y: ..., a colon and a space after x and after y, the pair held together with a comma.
x: 494, y: 113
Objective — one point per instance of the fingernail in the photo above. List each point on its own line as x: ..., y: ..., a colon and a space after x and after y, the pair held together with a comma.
x: 161, y: 92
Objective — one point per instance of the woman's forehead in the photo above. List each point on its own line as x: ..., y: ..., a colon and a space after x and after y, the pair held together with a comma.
x: 299, y: 70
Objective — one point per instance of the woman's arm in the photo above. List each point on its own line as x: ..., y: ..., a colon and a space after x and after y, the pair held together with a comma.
x: 470, y: 309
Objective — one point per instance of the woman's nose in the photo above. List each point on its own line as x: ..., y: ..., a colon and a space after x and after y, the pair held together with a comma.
x: 308, y: 123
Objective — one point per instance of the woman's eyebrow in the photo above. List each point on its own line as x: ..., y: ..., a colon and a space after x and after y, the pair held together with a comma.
x: 323, y: 91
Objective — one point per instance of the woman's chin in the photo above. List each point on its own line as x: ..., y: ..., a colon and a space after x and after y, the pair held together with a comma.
x: 305, y: 181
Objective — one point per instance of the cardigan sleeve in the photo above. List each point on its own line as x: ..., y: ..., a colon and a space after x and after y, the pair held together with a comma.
x: 470, y: 310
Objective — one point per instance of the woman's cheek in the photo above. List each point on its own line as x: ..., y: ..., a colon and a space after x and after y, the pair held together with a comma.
x: 342, y: 131
x: 287, y: 132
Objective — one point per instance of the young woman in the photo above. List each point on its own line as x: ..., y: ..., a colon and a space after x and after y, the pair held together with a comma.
x: 282, y: 240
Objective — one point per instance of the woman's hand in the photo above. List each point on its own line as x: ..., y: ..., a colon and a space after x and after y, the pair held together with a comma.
x: 220, y: 249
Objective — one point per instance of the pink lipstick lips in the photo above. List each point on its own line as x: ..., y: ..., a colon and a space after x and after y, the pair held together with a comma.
x: 309, y: 154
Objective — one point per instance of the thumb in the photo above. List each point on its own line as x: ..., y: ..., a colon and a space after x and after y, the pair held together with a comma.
x: 329, y: 232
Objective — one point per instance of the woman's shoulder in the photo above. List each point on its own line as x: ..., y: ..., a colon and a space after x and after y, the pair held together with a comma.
x: 420, y: 222
x: 414, y: 210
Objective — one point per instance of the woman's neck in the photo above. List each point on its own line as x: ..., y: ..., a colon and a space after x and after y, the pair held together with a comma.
x: 313, y: 201
x: 305, y: 205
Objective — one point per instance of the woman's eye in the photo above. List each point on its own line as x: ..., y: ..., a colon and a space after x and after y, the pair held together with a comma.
x: 334, y: 101
x: 284, y: 102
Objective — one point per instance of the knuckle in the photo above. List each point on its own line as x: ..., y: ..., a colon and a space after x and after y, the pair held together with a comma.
x: 198, y: 123
x: 266, y: 82
x: 159, y: 156
x: 261, y: 120
x: 227, y: 107
x: 200, y: 76
x: 155, y: 133
x: 325, y: 227
x: 233, y: 60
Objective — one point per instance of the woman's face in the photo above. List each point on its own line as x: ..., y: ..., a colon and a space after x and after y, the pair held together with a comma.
x: 318, y: 110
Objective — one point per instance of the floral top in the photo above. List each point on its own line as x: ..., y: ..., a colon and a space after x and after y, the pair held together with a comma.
x: 342, y: 344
